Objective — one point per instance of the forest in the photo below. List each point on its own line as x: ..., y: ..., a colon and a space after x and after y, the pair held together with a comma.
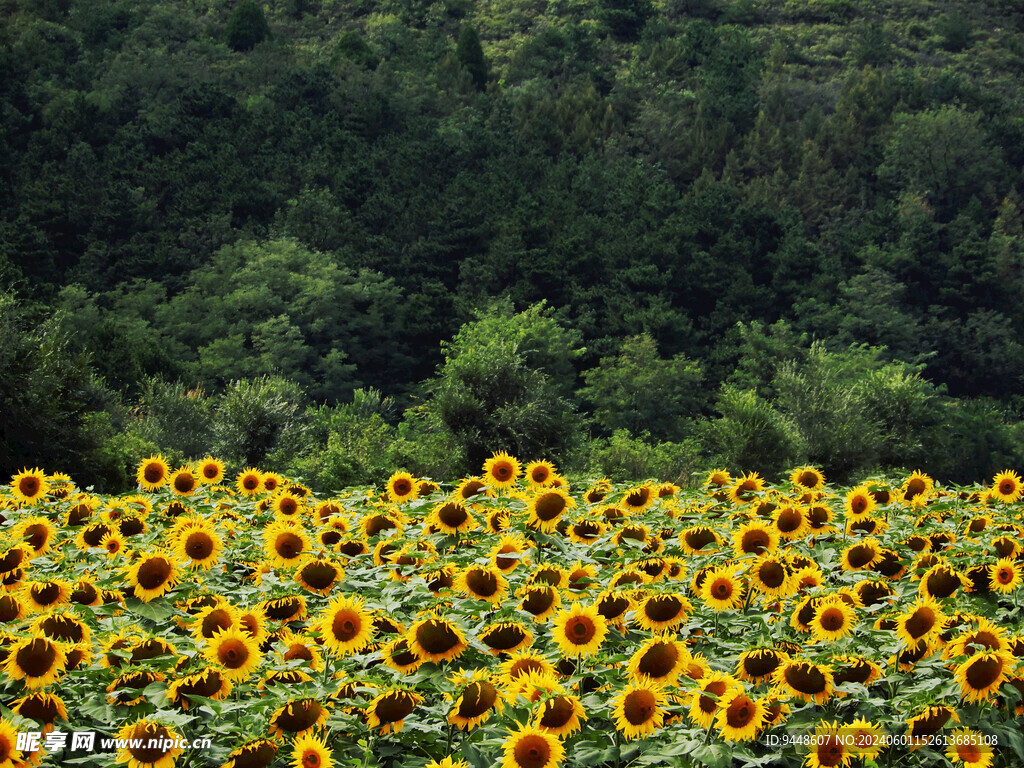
x: 639, y: 238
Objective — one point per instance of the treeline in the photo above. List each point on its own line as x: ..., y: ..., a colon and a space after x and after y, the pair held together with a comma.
x: 766, y: 201
x: 509, y: 382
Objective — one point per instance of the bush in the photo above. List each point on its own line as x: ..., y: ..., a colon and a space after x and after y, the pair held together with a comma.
x: 353, y: 444
x: 625, y: 458
x: 751, y: 435
x: 257, y: 419
x: 176, y: 418
x: 503, y: 387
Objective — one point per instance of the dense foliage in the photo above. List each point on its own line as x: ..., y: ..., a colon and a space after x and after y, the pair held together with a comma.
x: 806, y: 215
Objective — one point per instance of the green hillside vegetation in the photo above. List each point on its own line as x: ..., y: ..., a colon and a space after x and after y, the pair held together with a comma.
x: 639, y: 238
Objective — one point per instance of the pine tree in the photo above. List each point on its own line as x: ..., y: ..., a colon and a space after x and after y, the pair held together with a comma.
x: 470, y: 54
x: 247, y: 27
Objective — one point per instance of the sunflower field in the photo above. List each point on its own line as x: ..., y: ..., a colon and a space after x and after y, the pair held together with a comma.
x: 510, y: 619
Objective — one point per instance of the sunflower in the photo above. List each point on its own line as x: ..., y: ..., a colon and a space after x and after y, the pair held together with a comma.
x: 628, y: 578
x: 502, y: 471
x: 833, y: 619
x: 508, y: 553
x: 184, y: 481
x: 29, y: 485
x: 704, y: 699
x: 44, y: 708
x: 924, y: 725
x: 285, y: 609
x: 924, y: 621
x: 447, y: 762
x: 389, y: 710
x: 401, y: 487
x: 153, y: 575
x: 200, y: 547
x: 271, y: 481
x: 298, y: 716
x: 397, y: 656
x: 310, y: 751
x: 506, y: 637
x: 805, y: 680
x: 579, y: 630
x: 859, y: 502
x: 38, y: 661
x: 1004, y: 575
x: 868, y: 739
x: 285, y: 544
x: 769, y: 576
x: 659, y: 660
x: 478, y: 698
x: 560, y: 715
x: 483, y: 583
x: 258, y: 753
x: 521, y: 664
x: 969, y: 748
x: 153, y: 473
x: 539, y: 600
x: 829, y: 747
x: 435, y: 639
x: 345, y: 625
x: 300, y: 648
x: 807, y: 478
x: 739, y: 717
x: 639, y: 498
x: 546, y: 507
x: 11, y: 608
x: 744, y: 489
x: 581, y: 578
x: 149, y: 745
x: 585, y: 530
x: 759, y: 664
x: 718, y: 478
x: 861, y: 555
x: 699, y: 538
x: 211, y: 683
x: 982, y: 674
x: 249, y: 481
x: 287, y: 505
x: 917, y: 486
x: 539, y: 473
x: 469, y: 488
x: 855, y: 669
x: 37, y: 532
x: 639, y: 710
x: 126, y: 689
x: 319, y: 575
x: 755, y: 538
x: 1006, y: 486
x: 234, y: 650
x: 451, y: 517
x: 63, y: 625
x: 941, y: 581
x: 721, y: 589
x: 791, y: 522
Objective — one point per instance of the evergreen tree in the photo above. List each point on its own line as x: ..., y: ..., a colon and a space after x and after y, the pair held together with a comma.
x: 247, y: 26
x: 470, y: 54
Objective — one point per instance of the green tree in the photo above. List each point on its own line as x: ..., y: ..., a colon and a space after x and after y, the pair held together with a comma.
x: 639, y: 391
x: 504, y: 387
x: 247, y: 26
x: 278, y: 308
x: 55, y: 412
x: 470, y: 54
x: 943, y: 153
x: 751, y: 435
x: 259, y: 419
